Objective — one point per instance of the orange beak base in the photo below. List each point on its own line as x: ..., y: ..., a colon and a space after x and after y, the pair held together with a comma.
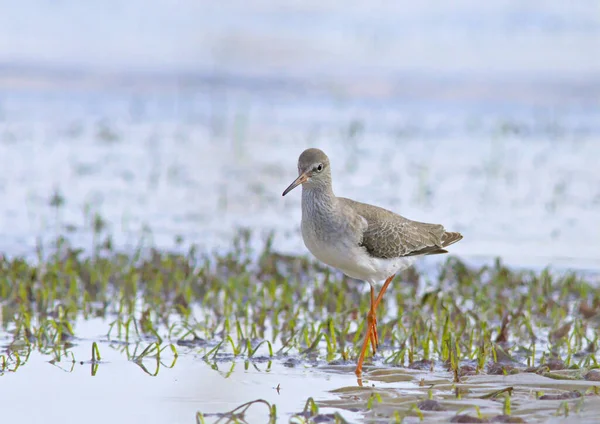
x: 300, y: 180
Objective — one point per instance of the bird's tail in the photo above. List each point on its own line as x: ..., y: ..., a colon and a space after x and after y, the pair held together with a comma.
x: 447, y: 239
x: 450, y: 238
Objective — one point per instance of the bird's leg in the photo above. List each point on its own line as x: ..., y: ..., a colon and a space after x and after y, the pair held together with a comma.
x: 383, y: 289
x: 361, y: 358
x: 372, y: 317
x: 372, y: 322
x: 371, y: 335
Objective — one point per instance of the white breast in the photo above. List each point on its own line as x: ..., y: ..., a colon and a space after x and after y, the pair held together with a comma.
x: 333, y: 232
x: 351, y: 259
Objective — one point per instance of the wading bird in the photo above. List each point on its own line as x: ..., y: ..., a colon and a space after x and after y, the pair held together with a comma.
x: 363, y: 241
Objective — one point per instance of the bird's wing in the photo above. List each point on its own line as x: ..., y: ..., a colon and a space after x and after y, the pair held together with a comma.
x: 389, y: 235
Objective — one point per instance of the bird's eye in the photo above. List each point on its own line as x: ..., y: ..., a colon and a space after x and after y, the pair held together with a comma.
x: 320, y: 167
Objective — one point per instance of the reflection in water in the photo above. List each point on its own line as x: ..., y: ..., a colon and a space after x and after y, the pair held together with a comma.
x: 238, y: 414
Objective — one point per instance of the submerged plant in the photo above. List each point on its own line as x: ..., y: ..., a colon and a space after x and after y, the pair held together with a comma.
x: 261, y: 306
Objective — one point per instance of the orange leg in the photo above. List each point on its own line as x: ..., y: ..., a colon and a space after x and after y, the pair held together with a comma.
x: 371, y: 336
x: 372, y: 323
x: 361, y: 358
x: 383, y: 289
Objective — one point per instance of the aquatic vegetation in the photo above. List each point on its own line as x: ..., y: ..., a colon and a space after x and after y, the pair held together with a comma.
x: 459, y: 333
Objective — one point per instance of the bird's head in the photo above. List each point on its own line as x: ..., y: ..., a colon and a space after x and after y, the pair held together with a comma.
x: 313, y: 170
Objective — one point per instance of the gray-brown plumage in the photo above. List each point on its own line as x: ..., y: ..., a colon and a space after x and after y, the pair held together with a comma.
x: 390, y: 235
x: 362, y: 240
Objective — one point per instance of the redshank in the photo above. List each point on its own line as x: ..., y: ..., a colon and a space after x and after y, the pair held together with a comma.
x: 363, y: 241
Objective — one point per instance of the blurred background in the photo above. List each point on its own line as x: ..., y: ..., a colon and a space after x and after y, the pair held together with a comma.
x: 185, y: 119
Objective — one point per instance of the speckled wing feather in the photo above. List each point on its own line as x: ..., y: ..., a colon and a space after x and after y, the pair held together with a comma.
x: 389, y: 235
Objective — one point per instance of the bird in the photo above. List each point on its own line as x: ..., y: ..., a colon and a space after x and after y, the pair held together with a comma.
x: 363, y: 241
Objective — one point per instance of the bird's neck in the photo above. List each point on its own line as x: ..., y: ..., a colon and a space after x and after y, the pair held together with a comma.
x: 318, y: 199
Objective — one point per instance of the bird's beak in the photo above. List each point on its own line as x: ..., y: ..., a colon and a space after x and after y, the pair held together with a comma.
x: 301, y: 179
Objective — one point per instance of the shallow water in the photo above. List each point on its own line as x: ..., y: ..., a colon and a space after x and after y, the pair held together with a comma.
x: 187, y: 122
x: 283, y: 330
x: 120, y: 391
x: 174, y: 389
